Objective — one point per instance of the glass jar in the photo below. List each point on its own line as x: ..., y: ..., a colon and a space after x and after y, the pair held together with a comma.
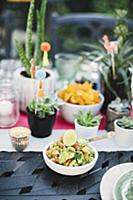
x: 9, y: 103
x: 89, y: 72
x: 67, y: 65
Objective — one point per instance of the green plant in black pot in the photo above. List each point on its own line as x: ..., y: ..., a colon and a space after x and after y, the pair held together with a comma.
x: 41, y: 116
x: 87, y: 119
x: 125, y: 122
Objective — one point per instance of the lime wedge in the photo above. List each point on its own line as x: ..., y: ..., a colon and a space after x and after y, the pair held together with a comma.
x: 69, y: 138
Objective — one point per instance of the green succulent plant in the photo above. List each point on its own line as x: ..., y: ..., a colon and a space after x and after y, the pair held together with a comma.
x: 33, y: 51
x: 119, y: 105
x: 87, y: 119
x: 44, y: 107
x: 125, y: 122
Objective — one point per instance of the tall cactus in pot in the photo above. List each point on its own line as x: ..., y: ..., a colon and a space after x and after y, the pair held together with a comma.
x: 32, y: 51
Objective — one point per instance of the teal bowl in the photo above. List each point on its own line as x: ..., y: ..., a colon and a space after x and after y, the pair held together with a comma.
x: 123, y: 187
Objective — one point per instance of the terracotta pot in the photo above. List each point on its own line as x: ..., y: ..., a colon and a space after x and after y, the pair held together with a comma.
x: 27, y: 86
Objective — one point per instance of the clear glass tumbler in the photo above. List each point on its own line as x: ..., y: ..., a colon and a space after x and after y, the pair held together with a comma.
x: 67, y: 66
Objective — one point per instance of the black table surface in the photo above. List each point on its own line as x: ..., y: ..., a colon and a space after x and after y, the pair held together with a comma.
x: 24, y: 176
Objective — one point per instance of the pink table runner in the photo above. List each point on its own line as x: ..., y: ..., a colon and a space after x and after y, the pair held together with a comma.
x: 59, y: 122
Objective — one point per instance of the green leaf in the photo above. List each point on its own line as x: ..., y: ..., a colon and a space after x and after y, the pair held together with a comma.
x: 87, y: 119
x: 125, y: 122
x: 43, y: 17
x: 38, y: 53
x: 123, y: 74
x: 28, y: 42
x: 43, y: 107
x: 23, y: 58
x: 105, y: 73
x: 77, y: 156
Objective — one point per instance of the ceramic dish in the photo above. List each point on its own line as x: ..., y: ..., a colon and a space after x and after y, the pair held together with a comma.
x: 123, y: 187
x: 69, y: 171
x: 68, y: 110
x: 110, y: 177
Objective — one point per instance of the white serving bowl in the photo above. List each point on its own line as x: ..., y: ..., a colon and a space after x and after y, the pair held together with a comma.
x: 69, y: 171
x: 68, y: 110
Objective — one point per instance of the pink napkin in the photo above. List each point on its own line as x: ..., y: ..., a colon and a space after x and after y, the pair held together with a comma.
x: 59, y: 122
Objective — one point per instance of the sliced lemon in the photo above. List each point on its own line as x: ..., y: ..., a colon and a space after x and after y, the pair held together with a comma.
x: 69, y: 138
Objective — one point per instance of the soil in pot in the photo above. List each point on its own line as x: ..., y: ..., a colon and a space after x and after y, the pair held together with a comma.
x: 40, y: 127
x: 23, y: 73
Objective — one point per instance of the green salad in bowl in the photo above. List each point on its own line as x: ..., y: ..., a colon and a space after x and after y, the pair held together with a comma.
x: 70, y: 155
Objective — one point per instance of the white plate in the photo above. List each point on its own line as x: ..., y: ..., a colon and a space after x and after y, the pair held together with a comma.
x: 109, y: 178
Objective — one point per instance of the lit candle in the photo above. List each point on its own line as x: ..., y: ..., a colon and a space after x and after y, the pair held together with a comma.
x: 6, y: 107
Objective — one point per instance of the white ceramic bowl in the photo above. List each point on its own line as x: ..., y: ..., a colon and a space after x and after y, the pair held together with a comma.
x: 69, y: 171
x: 84, y: 131
x: 68, y: 110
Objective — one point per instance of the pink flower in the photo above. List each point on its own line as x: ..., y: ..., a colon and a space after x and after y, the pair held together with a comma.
x: 111, y: 47
x: 105, y: 38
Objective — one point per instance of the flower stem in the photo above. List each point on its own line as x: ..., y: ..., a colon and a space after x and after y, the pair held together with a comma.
x: 113, y: 65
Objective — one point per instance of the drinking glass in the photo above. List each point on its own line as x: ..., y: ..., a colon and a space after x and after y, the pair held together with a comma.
x: 67, y: 66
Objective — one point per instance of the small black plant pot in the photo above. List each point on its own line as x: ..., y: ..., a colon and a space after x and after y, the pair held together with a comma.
x: 40, y: 127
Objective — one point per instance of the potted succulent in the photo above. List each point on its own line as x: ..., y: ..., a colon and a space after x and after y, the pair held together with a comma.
x: 124, y: 131
x: 115, y: 110
x: 115, y: 58
x: 86, y: 124
x: 41, y: 116
x: 33, y: 56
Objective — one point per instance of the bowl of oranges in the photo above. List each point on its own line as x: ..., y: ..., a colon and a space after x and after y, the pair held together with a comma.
x: 79, y: 97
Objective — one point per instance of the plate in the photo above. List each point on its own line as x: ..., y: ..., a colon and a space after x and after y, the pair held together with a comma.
x: 123, y: 187
x: 110, y: 177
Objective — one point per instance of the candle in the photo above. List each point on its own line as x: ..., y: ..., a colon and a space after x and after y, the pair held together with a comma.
x: 6, y: 107
x: 20, y: 137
